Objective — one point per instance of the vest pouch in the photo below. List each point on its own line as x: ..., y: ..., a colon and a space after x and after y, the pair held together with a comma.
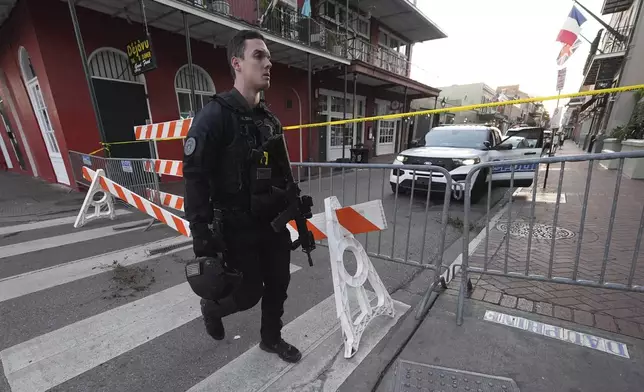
x: 267, y: 206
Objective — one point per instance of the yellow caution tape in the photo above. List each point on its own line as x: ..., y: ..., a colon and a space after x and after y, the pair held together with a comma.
x: 468, y: 107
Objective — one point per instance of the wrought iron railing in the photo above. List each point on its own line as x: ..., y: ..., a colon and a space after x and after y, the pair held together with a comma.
x: 294, y: 26
x: 387, y: 59
x: 283, y: 21
x: 611, y: 44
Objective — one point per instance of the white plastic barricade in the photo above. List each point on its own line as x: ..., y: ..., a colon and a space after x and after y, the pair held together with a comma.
x: 341, y: 240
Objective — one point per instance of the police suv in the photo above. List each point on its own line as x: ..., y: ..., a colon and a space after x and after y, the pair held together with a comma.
x: 457, y: 148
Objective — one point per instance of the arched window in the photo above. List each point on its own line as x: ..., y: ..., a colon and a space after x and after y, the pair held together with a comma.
x: 112, y: 64
x: 204, y: 89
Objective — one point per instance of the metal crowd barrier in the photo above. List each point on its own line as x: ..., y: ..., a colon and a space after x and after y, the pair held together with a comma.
x: 130, y: 173
x: 408, y: 206
x: 537, y: 261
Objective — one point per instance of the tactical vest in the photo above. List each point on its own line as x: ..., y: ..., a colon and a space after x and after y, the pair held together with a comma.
x: 247, y: 180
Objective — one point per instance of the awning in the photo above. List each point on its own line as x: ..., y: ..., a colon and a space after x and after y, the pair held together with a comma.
x: 612, y: 6
x: 403, y: 17
x: 214, y: 28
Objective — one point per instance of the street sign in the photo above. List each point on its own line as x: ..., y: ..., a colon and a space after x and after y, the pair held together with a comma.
x: 561, y: 79
x: 141, y: 56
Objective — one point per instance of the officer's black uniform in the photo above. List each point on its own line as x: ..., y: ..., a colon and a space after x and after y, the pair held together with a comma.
x: 217, y: 171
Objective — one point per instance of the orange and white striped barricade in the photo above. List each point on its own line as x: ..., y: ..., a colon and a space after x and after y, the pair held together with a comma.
x: 164, y: 166
x: 340, y: 240
x: 98, y: 179
x: 168, y: 129
x: 357, y: 219
x: 103, y: 207
x: 166, y: 199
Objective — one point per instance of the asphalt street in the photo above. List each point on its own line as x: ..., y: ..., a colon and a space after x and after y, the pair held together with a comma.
x: 88, y: 309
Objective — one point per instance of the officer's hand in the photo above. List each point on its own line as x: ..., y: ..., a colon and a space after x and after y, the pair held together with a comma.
x: 208, y: 246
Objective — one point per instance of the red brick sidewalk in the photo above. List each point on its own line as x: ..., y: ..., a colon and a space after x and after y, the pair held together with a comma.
x: 611, y: 310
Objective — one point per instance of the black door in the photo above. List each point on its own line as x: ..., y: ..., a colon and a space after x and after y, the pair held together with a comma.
x: 122, y: 107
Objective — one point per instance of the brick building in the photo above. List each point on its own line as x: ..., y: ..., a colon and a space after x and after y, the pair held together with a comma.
x: 320, y: 51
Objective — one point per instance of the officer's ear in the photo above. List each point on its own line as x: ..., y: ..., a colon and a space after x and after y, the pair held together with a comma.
x: 235, y: 62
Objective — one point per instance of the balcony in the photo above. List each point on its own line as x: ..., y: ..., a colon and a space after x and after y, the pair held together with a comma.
x: 610, y: 44
x: 383, y: 58
x: 606, y: 64
x: 290, y: 36
x: 283, y: 20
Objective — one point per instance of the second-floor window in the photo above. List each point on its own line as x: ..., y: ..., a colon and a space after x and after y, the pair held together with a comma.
x: 390, y: 41
x: 335, y: 13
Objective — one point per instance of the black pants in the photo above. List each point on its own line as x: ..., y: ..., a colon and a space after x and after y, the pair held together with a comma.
x: 263, y: 256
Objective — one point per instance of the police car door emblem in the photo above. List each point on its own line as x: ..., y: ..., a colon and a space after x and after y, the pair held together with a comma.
x: 190, y: 146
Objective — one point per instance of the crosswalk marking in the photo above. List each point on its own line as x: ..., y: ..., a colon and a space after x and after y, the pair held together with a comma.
x: 33, y: 281
x: 324, y: 368
x: 64, y: 239
x: 68, y: 220
x: 53, y: 358
x: 316, y: 329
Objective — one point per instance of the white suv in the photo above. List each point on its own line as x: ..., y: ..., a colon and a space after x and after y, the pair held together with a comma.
x: 457, y: 148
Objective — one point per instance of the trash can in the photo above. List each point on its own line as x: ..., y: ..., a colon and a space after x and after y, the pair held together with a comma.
x: 359, y: 154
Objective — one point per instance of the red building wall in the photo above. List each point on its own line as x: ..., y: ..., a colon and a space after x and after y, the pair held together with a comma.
x: 19, y: 31
x: 72, y: 100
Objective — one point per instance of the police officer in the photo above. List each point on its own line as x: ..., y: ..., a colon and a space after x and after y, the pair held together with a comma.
x: 225, y: 216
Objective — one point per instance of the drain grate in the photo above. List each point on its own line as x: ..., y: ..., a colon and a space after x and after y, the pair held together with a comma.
x: 417, y: 377
x: 539, y: 231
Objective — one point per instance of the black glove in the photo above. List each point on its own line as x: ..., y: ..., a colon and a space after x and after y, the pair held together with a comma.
x: 208, y: 246
x: 209, y: 242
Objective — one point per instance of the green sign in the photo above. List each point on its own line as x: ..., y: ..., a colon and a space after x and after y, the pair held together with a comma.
x: 141, y: 56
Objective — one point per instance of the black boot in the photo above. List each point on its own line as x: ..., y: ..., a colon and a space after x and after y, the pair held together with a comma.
x: 285, y: 351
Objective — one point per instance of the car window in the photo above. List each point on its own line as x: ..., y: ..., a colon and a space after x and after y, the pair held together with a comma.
x: 458, y: 138
x: 533, y: 137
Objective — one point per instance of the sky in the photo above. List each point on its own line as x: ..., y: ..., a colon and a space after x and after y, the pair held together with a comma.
x: 503, y: 42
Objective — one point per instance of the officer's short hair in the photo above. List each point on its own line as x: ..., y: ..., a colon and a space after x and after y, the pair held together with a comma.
x: 237, y: 45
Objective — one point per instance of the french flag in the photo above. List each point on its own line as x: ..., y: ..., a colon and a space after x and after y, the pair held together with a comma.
x: 572, y: 27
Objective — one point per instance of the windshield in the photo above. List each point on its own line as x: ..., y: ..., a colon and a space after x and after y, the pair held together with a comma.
x: 531, y: 135
x: 461, y: 138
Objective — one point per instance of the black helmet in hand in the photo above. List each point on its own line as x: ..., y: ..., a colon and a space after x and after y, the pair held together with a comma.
x: 210, y: 278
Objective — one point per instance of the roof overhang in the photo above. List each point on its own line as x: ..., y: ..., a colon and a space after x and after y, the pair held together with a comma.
x: 383, y: 81
x: 604, y: 67
x: 404, y: 18
x: 390, y: 82
x: 612, y: 6
x: 5, y: 9
x: 212, y: 28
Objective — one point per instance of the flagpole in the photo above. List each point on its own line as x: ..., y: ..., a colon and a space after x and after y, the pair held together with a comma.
x: 611, y: 30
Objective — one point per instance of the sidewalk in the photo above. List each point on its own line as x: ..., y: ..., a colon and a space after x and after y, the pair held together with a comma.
x: 526, y: 335
x: 24, y: 198
x: 609, y: 310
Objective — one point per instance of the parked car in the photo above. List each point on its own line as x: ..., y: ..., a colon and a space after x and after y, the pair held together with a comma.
x: 459, y: 148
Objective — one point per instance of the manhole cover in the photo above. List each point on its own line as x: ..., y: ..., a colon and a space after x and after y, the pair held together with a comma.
x: 539, y: 230
x: 414, y: 377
